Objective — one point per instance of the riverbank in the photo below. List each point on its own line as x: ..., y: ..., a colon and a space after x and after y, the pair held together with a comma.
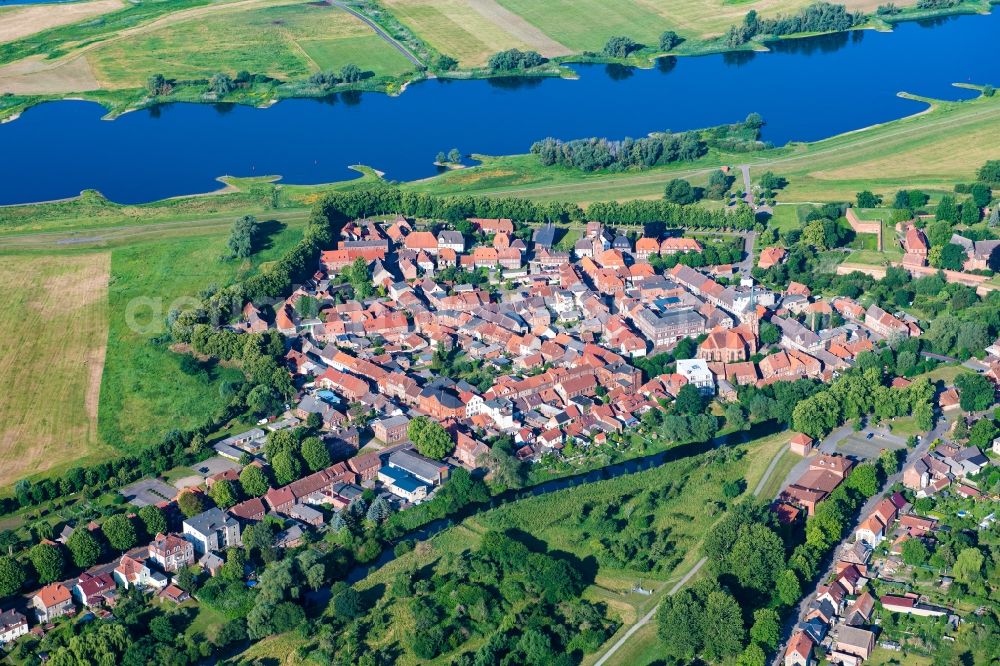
x: 27, y: 81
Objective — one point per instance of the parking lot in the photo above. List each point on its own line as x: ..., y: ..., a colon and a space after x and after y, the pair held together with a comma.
x: 148, y: 491
x: 868, y: 444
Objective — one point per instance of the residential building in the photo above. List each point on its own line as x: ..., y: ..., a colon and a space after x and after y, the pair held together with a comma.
x: 212, y: 530
x: 171, y: 552
x: 13, y: 625
x: 52, y: 601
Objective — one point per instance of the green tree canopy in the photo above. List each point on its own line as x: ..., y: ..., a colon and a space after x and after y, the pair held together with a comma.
x: 430, y: 437
x: 48, y: 562
x: 253, y: 481
x: 83, y: 547
x: 153, y: 519
x: 120, y: 532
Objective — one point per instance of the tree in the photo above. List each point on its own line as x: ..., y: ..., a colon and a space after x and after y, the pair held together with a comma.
x: 868, y: 200
x: 430, y: 437
x: 668, y: 40
x: 254, y: 481
x: 224, y: 493
x: 190, y: 503
x: 769, y: 333
x: 864, y: 479
x: 351, y: 73
x: 153, y: 520
x: 679, y: 191
x: 12, y: 576
x: 718, y: 184
x: 446, y: 63
x: 788, y: 587
x: 262, y: 400
x: 620, y: 47
x: 83, y: 548
x: 679, y: 627
x: 513, y: 59
x: 949, y: 256
x: 915, y: 552
x: 48, y: 562
x: 753, y: 655
x: 315, y: 454
x: 766, y: 629
x: 989, y: 172
x: 968, y: 566
x: 120, y: 532
x: 243, y: 237
x: 157, y: 85
x: 221, y: 84
x: 757, y: 556
x: 346, y: 602
x: 689, y: 400
x: 378, y: 511
x: 724, y: 617
x: 441, y: 157
x: 976, y: 393
x: 947, y: 210
x: 454, y: 156
x: 287, y: 467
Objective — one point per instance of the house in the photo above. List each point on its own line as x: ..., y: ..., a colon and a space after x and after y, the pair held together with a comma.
x: 452, y: 240
x: 771, y: 256
x: 212, y: 530
x: 249, y: 511
x: 677, y: 245
x: 174, y: 594
x: 871, y: 531
x: 909, y: 605
x: 94, y: 589
x: 855, y: 641
x: 52, y: 601
x: 365, y: 466
x: 391, y: 430
x: 801, y: 444
x: 171, y: 552
x: 696, y: 372
x: 799, y: 650
x: 211, y: 563
x: 133, y: 572
x: 13, y: 625
x: 860, y: 611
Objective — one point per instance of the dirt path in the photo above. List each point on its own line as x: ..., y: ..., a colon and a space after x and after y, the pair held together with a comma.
x: 519, y: 28
x: 25, y: 20
x: 648, y: 616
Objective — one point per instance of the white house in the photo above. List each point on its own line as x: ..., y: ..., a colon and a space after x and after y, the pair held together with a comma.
x: 13, y: 625
x: 696, y: 372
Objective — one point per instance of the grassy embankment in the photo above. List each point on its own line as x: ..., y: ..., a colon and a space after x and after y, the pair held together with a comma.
x: 688, y: 508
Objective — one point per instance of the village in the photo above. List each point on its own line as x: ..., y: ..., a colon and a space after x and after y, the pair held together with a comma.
x: 471, y: 349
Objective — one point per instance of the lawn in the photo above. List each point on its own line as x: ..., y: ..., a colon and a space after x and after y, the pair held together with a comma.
x: 53, y: 331
x: 786, y: 462
x: 144, y: 393
x: 277, y: 38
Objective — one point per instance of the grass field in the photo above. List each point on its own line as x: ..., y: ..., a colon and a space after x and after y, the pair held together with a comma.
x: 144, y: 393
x: 20, y: 21
x: 53, y: 331
x: 285, y: 40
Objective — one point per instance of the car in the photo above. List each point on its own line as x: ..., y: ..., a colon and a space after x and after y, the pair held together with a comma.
x: 869, y: 435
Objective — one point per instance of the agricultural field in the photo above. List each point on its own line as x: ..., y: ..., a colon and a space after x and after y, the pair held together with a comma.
x: 281, y: 39
x: 471, y: 30
x: 23, y: 20
x: 284, y: 40
x: 53, y: 332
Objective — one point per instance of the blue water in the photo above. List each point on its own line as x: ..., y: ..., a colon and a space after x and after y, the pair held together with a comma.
x: 806, y: 90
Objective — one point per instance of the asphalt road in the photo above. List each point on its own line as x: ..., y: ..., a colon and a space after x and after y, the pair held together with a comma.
x: 380, y: 32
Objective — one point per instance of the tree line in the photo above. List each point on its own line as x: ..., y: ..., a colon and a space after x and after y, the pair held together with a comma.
x: 594, y: 153
x: 817, y: 17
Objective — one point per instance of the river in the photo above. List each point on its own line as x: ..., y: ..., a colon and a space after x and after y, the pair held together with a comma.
x: 806, y: 89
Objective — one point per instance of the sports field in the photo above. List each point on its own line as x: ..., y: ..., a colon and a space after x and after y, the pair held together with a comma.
x: 53, y: 332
